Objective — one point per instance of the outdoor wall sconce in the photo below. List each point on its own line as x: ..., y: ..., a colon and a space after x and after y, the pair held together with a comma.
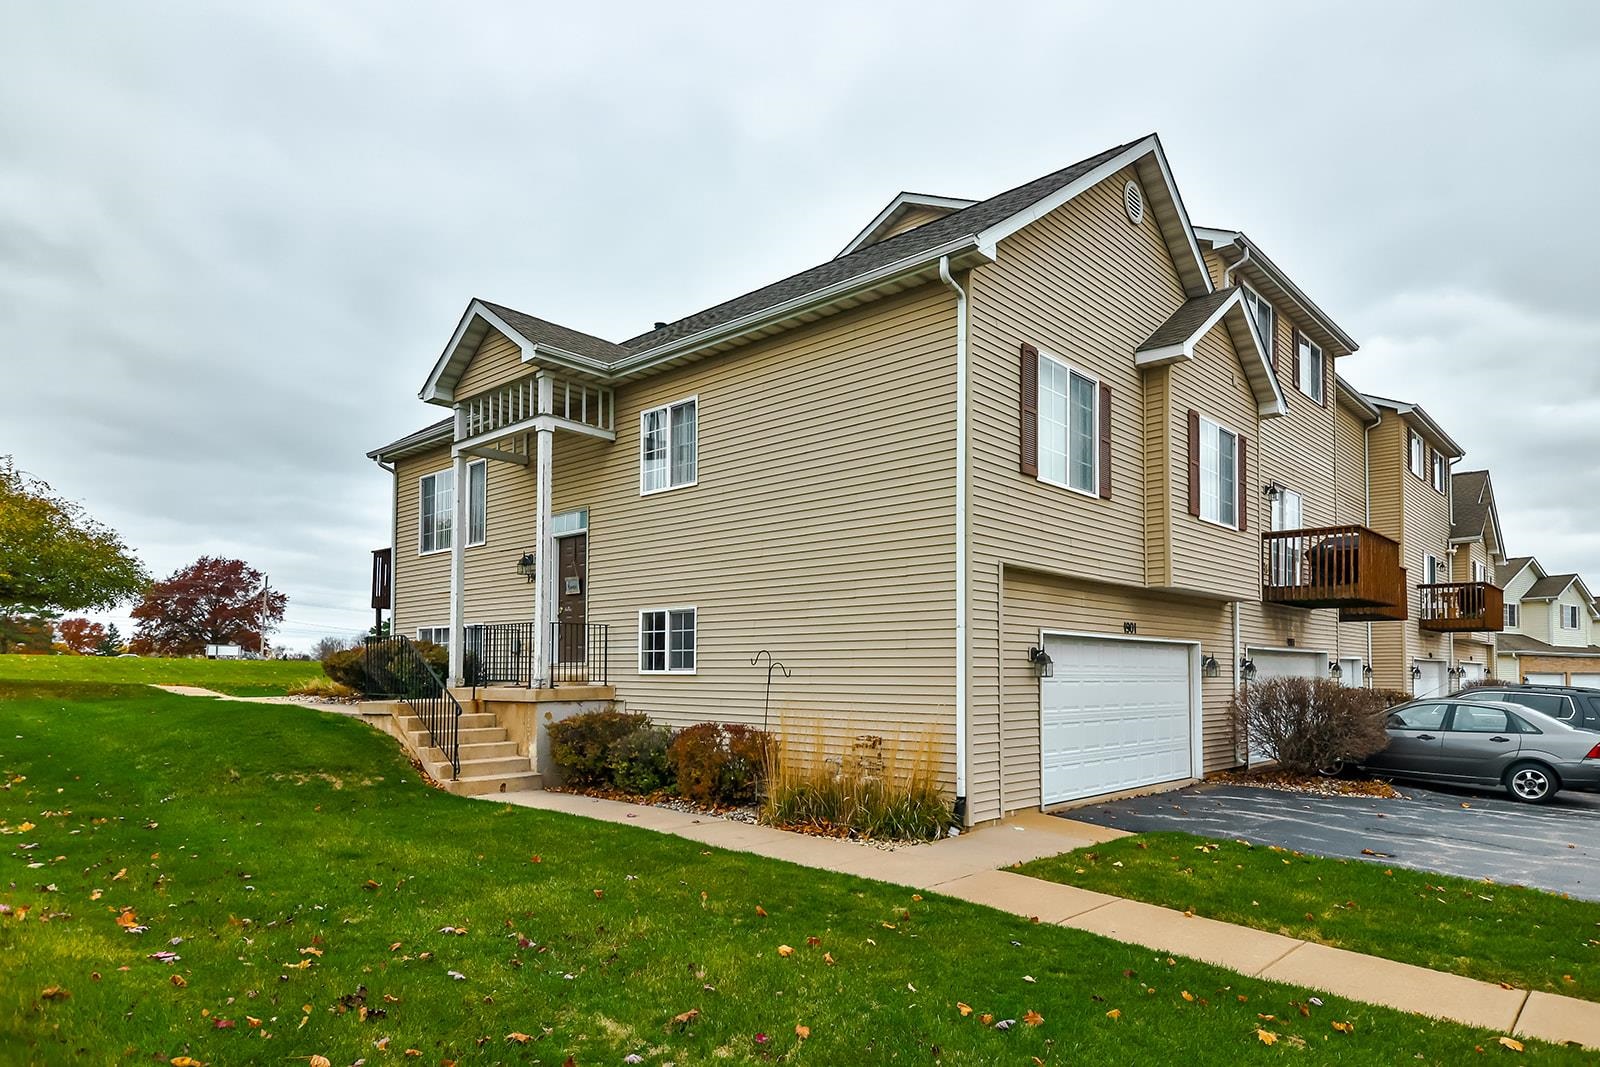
x: 1209, y: 667
x: 1416, y: 672
x: 1456, y: 672
x: 1366, y: 672
x: 1247, y: 670
x: 1272, y: 490
x: 1334, y: 670
x: 528, y: 566
x: 1043, y: 665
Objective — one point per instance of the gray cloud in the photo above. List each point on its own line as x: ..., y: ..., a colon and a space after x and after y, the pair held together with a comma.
x: 231, y: 242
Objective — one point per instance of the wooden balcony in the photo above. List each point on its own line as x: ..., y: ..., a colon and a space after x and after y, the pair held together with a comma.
x: 1462, y: 607
x: 1380, y: 612
x: 1332, y: 567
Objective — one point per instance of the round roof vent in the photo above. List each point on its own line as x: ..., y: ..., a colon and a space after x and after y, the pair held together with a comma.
x: 1133, y: 200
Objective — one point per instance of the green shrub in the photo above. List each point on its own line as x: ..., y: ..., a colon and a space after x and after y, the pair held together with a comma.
x: 638, y: 762
x: 717, y: 765
x: 375, y: 675
x: 581, y: 744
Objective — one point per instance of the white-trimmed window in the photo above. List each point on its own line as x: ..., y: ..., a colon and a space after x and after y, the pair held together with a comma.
x: 436, y: 510
x: 1513, y: 615
x: 667, y: 641
x: 1441, y: 471
x: 668, y: 450
x: 1435, y: 569
x: 1219, y: 474
x: 1480, y: 571
x: 1416, y: 454
x: 1569, y: 616
x: 1265, y: 317
x: 1069, y: 412
x: 1312, y: 367
x: 434, y: 635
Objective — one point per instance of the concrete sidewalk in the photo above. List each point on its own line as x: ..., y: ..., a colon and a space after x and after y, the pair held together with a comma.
x: 968, y: 868
x: 299, y: 702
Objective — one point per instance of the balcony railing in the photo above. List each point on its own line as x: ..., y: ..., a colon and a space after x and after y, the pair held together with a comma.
x: 518, y: 401
x: 1380, y: 612
x: 502, y: 654
x: 1462, y: 607
x: 1331, y: 567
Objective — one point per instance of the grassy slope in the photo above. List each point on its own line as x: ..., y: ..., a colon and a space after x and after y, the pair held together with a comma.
x: 1497, y: 933
x: 592, y: 951
x: 243, y: 678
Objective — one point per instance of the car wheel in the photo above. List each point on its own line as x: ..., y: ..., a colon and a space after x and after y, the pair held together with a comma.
x: 1532, y: 783
x: 1332, y: 769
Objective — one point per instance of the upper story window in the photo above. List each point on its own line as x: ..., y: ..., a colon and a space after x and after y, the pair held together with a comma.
x: 1569, y: 616
x: 1441, y: 472
x: 1068, y: 426
x: 1437, y: 569
x: 436, y: 510
x: 1416, y: 454
x: 1312, y: 368
x: 1219, y: 474
x: 668, y: 446
x: 1266, y: 318
x: 1513, y: 615
x: 1480, y: 571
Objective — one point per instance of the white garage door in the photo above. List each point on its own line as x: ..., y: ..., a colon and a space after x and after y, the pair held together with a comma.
x: 1586, y: 679
x: 1536, y: 678
x: 1116, y: 715
x: 1351, y: 675
x: 1472, y: 672
x: 1434, y: 681
x: 1277, y: 663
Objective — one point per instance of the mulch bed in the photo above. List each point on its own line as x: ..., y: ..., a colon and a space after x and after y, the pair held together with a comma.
x: 1315, y: 784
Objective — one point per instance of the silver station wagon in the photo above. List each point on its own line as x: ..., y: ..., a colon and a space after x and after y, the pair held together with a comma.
x: 1473, y: 742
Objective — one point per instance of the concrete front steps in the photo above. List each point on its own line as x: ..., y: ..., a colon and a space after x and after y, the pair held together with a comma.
x: 489, y: 760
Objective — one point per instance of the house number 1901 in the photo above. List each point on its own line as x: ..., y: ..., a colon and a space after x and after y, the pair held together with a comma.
x: 1130, y: 627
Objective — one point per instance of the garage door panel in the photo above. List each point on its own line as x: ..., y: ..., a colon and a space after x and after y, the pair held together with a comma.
x: 1591, y: 680
x: 1545, y: 678
x: 1116, y: 715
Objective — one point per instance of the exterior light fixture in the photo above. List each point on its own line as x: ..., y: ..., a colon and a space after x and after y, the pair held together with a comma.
x: 1043, y: 665
x: 1272, y: 490
x: 1247, y: 670
x: 528, y: 566
x: 1209, y: 667
x: 1416, y: 672
x: 1366, y: 672
x: 1334, y: 670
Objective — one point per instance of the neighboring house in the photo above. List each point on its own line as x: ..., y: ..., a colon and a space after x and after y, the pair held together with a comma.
x: 1038, y: 479
x: 1552, y: 627
x: 1477, y: 549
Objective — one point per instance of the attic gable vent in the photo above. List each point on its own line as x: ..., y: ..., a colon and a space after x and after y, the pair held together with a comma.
x: 1133, y: 201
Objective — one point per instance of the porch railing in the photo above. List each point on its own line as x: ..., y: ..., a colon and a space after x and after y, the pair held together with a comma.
x: 396, y: 669
x: 576, y: 401
x: 580, y: 653
x: 1462, y: 607
x: 1331, y: 567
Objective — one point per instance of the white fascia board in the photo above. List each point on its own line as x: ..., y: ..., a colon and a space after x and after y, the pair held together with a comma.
x: 432, y: 391
x: 882, y: 219
x: 1218, y: 238
x: 990, y: 238
x: 544, y: 354
x: 1155, y: 357
x: 1266, y: 407
x: 928, y: 258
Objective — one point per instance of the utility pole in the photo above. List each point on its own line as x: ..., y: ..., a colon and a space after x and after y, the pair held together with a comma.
x: 261, y: 619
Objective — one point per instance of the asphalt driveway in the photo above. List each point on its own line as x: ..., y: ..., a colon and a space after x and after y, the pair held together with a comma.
x: 1475, y: 835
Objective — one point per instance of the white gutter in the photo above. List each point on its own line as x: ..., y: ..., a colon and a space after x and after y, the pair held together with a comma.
x: 1227, y: 275
x: 961, y: 541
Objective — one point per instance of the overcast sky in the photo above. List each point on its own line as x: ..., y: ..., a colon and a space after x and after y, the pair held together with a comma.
x: 232, y: 243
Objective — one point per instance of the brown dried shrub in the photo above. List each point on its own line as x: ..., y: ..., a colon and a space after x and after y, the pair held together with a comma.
x: 1311, y: 724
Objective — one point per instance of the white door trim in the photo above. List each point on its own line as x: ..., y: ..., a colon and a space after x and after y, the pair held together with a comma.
x: 1196, y: 707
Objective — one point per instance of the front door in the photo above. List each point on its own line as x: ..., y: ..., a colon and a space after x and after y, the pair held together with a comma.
x: 572, y: 580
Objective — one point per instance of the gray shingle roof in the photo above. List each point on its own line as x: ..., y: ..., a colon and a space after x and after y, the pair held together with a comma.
x: 1470, y: 496
x: 1187, y: 319
x: 1524, y: 643
x: 1510, y: 569
x: 1548, y: 588
x: 440, y: 430
x: 542, y: 331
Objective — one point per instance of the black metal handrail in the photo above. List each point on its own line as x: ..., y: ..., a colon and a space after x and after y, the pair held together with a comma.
x: 580, y: 653
x: 396, y: 668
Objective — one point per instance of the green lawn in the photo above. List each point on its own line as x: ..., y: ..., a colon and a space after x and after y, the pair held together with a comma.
x: 1498, y: 933
x: 239, y: 677
x: 303, y: 874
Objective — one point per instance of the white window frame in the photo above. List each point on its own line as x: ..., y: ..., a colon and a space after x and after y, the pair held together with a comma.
x: 1440, y: 475
x: 1313, y: 358
x: 427, y: 633
x: 1071, y: 371
x: 1480, y: 571
x: 1514, y: 616
x: 1416, y: 453
x: 1433, y: 566
x: 694, y: 628
x: 1208, y: 428
x: 667, y: 410
x: 481, y: 504
x: 422, y: 540
x: 1254, y: 301
x: 1577, y: 619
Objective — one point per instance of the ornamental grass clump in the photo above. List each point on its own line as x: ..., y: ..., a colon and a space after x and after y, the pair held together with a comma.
x: 878, y: 789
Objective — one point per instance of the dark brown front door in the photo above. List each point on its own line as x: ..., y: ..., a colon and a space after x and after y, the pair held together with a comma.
x: 572, y: 576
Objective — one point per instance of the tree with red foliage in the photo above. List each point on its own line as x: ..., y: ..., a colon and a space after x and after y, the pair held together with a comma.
x: 80, y: 635
x: 213, y: 601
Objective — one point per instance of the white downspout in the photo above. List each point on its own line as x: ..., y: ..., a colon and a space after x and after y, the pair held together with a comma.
x: 945, y: 276
x: 1366, y: 488
x: 1227, y: 275
x: 1238, y: 658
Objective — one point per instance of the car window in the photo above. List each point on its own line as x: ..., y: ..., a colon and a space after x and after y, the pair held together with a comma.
x: 1475, y: 719
x: 1523, y: 726
x: 1418, y: 717
x: 1549, y: 703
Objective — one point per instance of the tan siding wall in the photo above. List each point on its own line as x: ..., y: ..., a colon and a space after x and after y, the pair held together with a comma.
x: 1036, y: 601
x: 912, y: 218
x: 421, y: 583
x: 496, y: 362
x: 1083, y: 284
x: 1159, y: 476
x: 1207, y: 557
x: 1350, y: 504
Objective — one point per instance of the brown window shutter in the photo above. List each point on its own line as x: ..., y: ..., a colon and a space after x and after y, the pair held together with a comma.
x: 1242, y: 482
x: 1105, y: 441
x: 1294, y: 356
x: 1028, y: 412
x: 1194, y: 463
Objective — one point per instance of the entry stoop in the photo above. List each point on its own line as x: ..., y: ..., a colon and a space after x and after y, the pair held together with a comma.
x: 490, y: 762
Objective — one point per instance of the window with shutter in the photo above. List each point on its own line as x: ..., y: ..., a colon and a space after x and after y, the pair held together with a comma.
x: 1028, y: 412
x: 1070, y: 437
x: 1220, y: 483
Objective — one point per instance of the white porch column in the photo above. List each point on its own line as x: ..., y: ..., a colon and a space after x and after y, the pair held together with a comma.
x: 458, y: 558
x: 544, y: 550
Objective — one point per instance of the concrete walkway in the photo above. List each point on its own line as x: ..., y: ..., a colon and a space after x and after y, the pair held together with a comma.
x: 299, y: 702
x: 967, y: 868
